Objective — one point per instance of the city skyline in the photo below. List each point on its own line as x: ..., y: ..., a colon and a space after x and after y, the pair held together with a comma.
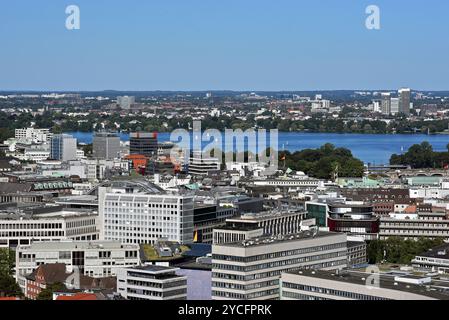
x: 296, y: 46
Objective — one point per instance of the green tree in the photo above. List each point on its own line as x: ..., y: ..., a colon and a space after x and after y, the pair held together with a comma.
x: 47, y: 294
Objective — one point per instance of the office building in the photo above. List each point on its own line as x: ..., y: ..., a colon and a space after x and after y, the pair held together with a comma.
x: 272, y: 223
x: 32, y: 135
x: 143, y: 213
x: 126, y: 102
x: 405, y: 97
x: 386, y: 103
x: 357, y: 253
x: 207, y: 218
x: 23, y: 225
x: 63, y: 147
x: 394, y: 109
x: 355, y: 218
x: 432, y: 225
x: 348, y: 285
x: 144, y: 144
x: 151, y: 283
x: 434, y: 260
x: 95, y: 259
x: 199, y: 165
x: 106, y: 145
x: 251, y: 269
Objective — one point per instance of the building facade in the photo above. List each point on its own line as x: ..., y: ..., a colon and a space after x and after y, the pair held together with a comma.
x: 322, y: 285
x: 97, y: 259
x: 146, y: 218
x: 63, y: 147
x: 142, y: 143
x: 151, y: 283
x: 106, y: 145
x: 250, y: 270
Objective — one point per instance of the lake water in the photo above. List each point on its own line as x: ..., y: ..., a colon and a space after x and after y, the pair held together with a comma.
x: 370, y: 148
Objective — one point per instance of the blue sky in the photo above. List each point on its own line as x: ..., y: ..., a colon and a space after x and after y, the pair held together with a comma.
x: 223, y: 44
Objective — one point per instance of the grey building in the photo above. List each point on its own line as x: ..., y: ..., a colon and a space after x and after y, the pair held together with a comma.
x: 63, y: 147
x: 250, y: 270
x: 348, y: 285
x: 405, y: 100
x: 106, y: 145
x: 386, y: 103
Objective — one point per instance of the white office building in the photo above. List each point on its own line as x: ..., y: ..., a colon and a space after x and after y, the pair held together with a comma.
x: 151, y: 283
x: 130, y: 215
x: 95, y: 259
x: 22, y: 228
x: 33, y: 135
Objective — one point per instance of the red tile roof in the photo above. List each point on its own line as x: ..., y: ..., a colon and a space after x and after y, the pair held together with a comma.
x: 78, y: 296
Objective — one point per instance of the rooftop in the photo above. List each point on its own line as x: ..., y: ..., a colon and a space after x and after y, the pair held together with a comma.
x: 440, y: 252
x: 386, y: 282
x: 305, y: 235
x: 79, y: 245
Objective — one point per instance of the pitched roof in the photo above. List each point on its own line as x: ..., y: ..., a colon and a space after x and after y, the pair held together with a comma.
x: 78, y: 296
x: 52, y: 273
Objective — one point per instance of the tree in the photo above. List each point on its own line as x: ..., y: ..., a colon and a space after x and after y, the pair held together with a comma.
x: 324, y: 163
x: 8, y: 285
x: 47, y: 294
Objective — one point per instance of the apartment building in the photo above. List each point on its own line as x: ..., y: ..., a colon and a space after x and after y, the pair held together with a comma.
x: 151, y: 283
x: 250, y: 270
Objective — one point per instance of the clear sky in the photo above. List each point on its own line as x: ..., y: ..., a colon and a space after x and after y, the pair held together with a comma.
x: 224, y: 44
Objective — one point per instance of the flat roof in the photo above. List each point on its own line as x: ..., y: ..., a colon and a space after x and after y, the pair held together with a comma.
x: 440, y: 252
x: 386, y: 282
x: 305, y: 235
x: 79, y: 245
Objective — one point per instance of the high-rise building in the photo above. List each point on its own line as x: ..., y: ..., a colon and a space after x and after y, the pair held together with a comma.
x: 405, y: 98
x: 395, y: 108
x: 63, y: 147
x: 251, y: 269
x: 143, y: 143
x: 126, y: 102
x: 386, y: 103
x: 106, y: 145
